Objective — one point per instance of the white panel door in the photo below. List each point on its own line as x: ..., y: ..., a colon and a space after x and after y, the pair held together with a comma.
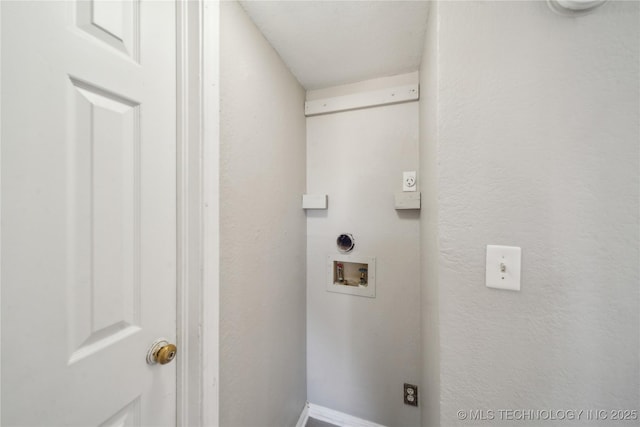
x: 88, y: 211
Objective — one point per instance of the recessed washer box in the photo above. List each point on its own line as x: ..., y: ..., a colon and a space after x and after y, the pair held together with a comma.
x: 352, y: 275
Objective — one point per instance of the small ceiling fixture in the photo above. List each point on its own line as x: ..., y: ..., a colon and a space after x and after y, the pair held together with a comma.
x: 574, y: 7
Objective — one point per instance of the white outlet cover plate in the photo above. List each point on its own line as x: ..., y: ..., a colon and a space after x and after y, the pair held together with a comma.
x: 510, y: 256
x: 409, y: 181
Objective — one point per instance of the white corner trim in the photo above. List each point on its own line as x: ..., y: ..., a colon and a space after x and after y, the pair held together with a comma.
x: 304, y: 416
x: 210, y: 127
x: 393, y: 95
x: 189, y: 284
x: 0, y: 259
x: 198, y: 213
x: 338, y: 418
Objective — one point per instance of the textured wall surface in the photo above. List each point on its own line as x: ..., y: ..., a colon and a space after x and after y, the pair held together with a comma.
x: 430, y: 396
x: 262, y: 226
x: 538, y: 129
x: 361, y: 350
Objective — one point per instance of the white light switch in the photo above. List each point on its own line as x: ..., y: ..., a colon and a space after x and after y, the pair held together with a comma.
x: 503, y: 267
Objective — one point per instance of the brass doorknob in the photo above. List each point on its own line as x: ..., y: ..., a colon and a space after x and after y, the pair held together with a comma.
x: 161, y: 352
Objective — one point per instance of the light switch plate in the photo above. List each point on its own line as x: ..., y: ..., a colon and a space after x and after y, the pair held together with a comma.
x: 503, y: 267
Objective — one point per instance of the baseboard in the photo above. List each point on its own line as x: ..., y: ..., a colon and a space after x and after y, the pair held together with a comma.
x: 335, y: 417
x: 304, y: 416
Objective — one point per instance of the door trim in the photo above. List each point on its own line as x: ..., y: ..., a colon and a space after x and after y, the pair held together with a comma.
x: 1, y: 146
x: 198, y: 212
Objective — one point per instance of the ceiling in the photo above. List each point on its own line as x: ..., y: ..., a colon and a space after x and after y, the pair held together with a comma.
x: 328, y: 43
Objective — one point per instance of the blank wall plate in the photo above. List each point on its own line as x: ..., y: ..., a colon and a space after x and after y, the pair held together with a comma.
x: 503, y: 267
x: 407, y: 200
x: 314, y: 201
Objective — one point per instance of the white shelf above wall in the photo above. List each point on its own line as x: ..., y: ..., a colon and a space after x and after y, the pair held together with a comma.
x: 393, y: 95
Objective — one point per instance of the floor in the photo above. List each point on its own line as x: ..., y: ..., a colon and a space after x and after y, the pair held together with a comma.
x: 312, y: 422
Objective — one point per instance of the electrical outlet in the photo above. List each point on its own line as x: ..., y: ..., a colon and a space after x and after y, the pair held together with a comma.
x: 409, y: 180
x: 410, y: 394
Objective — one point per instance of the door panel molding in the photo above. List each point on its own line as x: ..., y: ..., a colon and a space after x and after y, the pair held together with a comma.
x: 104, y: 237
x: 114, y: 23
x: 129, y: 416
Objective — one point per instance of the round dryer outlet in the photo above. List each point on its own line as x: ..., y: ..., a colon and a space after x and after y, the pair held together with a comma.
x: 345, y: 243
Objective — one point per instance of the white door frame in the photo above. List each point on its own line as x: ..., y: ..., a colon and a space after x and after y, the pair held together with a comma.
x: 198, y: 212
x: 0, y: 219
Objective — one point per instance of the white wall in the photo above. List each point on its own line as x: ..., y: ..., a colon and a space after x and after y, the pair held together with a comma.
x: 537, y: 146
x: 262, y: 226
x: 361, y: 350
